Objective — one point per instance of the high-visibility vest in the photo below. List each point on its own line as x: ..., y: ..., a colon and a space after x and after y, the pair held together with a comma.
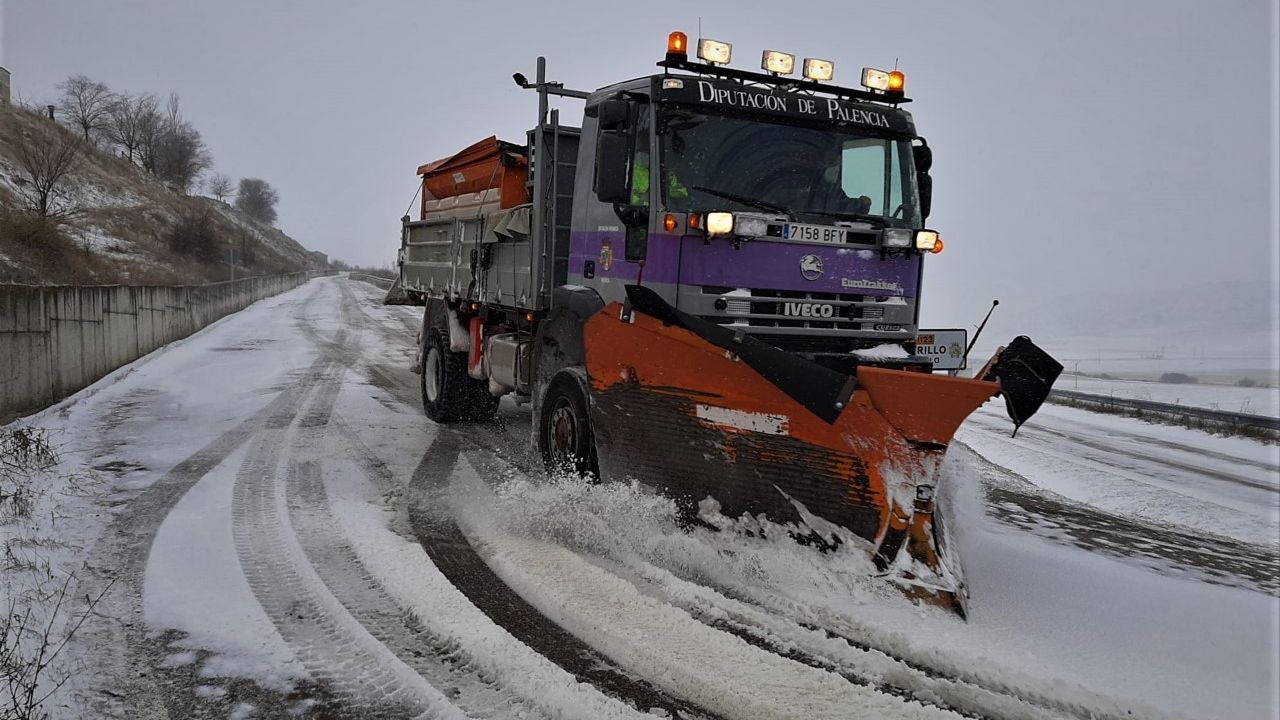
x: 640, y: 186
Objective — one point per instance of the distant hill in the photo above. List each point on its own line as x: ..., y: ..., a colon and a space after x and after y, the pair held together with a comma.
x: 122, y: 225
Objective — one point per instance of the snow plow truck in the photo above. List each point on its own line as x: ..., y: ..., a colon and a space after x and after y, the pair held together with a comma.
x: 712, y: 285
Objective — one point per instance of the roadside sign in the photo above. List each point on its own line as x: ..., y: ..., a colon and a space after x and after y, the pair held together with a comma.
x: 944, y: 347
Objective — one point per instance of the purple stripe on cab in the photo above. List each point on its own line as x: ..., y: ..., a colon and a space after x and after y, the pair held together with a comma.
x: 754, y: 264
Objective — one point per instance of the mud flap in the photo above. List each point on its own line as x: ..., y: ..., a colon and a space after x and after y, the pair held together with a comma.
x: 1026, y: 375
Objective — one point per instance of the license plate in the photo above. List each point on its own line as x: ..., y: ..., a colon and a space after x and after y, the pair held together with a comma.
x: 813, y: 233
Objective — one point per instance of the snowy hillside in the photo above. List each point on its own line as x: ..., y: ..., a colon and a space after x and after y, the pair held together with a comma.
x: 119, y: 224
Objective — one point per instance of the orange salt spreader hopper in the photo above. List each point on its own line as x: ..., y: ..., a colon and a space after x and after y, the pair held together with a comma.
x: 490, y: 163
x: 703, y: 412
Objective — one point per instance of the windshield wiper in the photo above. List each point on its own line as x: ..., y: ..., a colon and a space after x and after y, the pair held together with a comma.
x: 879, y: 220
x: 752, y: 202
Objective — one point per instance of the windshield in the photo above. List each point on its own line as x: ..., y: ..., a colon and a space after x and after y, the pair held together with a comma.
x: 715, y: 162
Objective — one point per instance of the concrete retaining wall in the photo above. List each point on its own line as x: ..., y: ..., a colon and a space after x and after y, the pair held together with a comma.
x: 55, y: 340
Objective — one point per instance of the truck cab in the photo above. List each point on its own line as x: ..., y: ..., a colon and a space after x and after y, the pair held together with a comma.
x: 771, y: 207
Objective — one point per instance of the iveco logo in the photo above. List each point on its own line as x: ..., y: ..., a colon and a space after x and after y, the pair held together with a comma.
x: 811, y: 267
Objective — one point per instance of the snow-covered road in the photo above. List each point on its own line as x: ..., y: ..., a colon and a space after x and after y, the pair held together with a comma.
x: 284, y: 534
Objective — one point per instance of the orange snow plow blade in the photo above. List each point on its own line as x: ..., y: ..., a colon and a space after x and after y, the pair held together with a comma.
x: 702, y: 412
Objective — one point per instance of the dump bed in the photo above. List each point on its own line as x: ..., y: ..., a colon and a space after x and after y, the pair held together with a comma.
x: 494, y: 223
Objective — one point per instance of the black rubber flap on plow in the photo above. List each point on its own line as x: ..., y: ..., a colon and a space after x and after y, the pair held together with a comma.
x: 820, y: 390
x: 1026, y: 374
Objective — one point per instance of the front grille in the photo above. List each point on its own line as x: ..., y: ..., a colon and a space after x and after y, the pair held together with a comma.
x: 794, y: 309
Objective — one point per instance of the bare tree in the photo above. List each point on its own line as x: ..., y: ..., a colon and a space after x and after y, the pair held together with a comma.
x: 219, y: 186
x: 177, y: 153
x: 45, y: 158
x: 150, y: 133
x: 128, y: 120
x: 257, y: 199
x: 85, y: 103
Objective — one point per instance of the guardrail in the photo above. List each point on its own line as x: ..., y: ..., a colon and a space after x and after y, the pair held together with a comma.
x: 57, y: 339
x: 1183, y: 412
x: 381, y: 282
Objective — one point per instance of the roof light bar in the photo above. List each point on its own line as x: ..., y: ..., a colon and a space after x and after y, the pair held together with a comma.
x: 714, y: 51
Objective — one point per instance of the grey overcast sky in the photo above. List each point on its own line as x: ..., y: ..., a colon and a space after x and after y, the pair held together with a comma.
x: 1089, y: 146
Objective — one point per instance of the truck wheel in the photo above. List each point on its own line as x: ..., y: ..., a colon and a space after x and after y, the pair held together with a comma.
x: 449, y: 394
x: 564, y: 430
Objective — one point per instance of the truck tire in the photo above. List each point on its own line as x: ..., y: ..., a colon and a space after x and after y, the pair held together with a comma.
x: 564, y: 429
x: 449, y: 394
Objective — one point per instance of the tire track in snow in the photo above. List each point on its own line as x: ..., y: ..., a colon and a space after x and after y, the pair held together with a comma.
x: 122, y: 551
x: 120, y: 555
x: 335, y: 617
x: 859, y: 661
x: 449, y: 549
x: 327, y: 640
x: 362, y: 595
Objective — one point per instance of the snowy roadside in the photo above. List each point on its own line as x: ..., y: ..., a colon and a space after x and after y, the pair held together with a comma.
x: 1175, y: 476
x: 125, y: 431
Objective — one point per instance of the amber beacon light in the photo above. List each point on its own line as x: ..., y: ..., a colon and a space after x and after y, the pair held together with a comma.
x: 678, y: 44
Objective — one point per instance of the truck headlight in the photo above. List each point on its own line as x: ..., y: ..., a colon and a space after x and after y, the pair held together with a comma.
x: 928, y: 241
x: 719, y: 223
x: 896, y: 237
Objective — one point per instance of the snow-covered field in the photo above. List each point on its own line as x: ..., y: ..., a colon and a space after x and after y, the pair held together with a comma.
x: 284, y: 534
x: 1228, y: 398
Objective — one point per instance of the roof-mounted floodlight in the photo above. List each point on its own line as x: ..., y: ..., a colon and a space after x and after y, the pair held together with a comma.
x: 778, y: 63
x: 873, y: 79
x: 891, y: 82
x: 714, y: 51
x: 815, y: 69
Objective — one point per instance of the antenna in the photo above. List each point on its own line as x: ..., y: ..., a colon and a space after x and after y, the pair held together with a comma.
x: 974, y: 341
x: 699, y: 26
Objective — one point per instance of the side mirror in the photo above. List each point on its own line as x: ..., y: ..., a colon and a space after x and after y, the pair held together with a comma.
x: 612, y: 183
x: 923, y: 157
x: 614, y: 114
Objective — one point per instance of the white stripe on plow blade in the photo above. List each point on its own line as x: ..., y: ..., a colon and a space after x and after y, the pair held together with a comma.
x: 743, y: 420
